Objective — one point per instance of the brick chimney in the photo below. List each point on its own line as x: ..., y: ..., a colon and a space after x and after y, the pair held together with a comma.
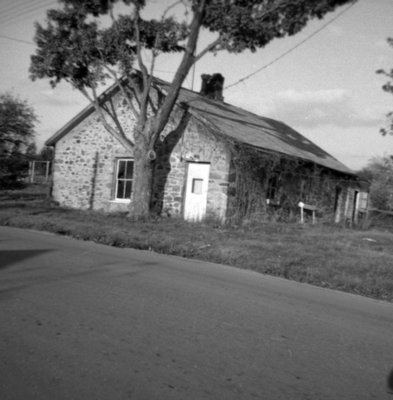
x: 212, y: 86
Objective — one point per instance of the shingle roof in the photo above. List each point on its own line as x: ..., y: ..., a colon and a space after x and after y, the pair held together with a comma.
x: 261, y: 132
x: 239, y: 125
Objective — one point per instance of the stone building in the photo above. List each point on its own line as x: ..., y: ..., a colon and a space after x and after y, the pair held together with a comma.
x: 225, y: 163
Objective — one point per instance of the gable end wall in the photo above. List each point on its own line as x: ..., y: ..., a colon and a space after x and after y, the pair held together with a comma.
x: 85, y: 162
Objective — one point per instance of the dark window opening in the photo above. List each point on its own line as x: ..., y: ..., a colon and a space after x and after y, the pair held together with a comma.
x: 272, y: 188
x: 124, y: 178
x: 337, y: 198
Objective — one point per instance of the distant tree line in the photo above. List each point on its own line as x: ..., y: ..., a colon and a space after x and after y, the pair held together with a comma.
x: 379, y: 172
x: 17, y: 134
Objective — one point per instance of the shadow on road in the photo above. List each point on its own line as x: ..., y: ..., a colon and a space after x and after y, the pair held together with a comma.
x: 390, y: 382
x: 9, y: 257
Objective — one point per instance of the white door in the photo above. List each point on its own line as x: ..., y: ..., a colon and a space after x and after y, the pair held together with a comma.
x: 196, y: 191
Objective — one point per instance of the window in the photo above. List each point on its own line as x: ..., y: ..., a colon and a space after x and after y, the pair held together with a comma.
x: 124, y: 173
x: 272, y: 188
x: 362, y: 201
x: 306, y: 185
x: 197, y: 186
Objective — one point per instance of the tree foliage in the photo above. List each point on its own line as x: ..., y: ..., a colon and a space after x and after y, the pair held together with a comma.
x: 46, y: 153
x: 380, y: 173
x: 17, y: 121
x: 75, y: 47
x: 388, y: 87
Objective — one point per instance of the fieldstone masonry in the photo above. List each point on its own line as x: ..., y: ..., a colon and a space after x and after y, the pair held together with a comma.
x: 197, y: 145
x: 85, y: 166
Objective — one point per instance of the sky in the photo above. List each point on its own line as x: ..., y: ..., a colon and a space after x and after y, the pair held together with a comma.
x: 322, y: 81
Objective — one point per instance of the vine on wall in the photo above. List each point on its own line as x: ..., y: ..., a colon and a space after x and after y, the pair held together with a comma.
x: 267, y: 186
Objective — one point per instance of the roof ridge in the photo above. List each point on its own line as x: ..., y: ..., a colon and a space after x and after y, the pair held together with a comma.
x: 236, y: 123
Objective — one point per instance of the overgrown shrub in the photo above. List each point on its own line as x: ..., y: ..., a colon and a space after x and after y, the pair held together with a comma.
x: 269, y: 187
x: 13, y: 171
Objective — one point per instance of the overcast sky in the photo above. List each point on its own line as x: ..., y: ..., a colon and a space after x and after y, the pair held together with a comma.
x: 323, y: 84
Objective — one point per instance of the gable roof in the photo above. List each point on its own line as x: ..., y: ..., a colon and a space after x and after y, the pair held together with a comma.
x: 236, y: 123
x: 81, y: 116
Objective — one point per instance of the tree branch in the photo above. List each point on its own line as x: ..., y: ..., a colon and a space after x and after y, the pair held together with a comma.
x: 115, y: 118
x: 173, y: 5
x: 221, y: 39
x: 142, y: 67
x: 280, y: 4
x: 182, y: 71
x: 182, y: 125
x: 208, y: 48
x: 155, y: 53
x: 126, y: 95
x: 160, y: 95
x: 95, y: 101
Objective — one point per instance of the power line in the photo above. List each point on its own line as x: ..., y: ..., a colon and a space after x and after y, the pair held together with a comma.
x: 18, y: 12
x: 15, y: 8
x: 291, y: 49
x: 12, y: 6
x: 12, y: 18
x: 16, y: 40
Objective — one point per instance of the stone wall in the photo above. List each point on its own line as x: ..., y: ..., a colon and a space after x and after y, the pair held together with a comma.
x: 198, y: 145
x: 85, y: 166
x: 85, y: 163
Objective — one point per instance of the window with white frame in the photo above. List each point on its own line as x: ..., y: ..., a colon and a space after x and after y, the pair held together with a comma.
x: 362, y: 201
x: 124, y: 174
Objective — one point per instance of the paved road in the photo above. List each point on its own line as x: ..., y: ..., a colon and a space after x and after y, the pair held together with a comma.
x: 84, y: 321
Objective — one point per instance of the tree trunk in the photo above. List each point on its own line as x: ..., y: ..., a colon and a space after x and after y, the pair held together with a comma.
x: 142, y: 180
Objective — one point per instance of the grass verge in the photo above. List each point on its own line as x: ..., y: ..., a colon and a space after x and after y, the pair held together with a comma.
x: 359, y: 262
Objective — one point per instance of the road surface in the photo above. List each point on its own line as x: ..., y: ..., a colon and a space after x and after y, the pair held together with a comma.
x: 85, y: 321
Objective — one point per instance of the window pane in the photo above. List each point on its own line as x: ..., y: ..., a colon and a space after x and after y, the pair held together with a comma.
x: 363, y: 200
x: 128, y: 188
x: 121, y: 170
x: 125, y: 170
x: 272, y: 188
x: 120, y: 189
x: 197, y: 186
x: 129, y: 169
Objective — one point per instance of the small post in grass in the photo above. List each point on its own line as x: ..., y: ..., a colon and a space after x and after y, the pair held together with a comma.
x: 303, y: 207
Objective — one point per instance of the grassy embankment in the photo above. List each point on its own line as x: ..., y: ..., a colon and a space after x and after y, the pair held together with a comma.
x: 345, y: 259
